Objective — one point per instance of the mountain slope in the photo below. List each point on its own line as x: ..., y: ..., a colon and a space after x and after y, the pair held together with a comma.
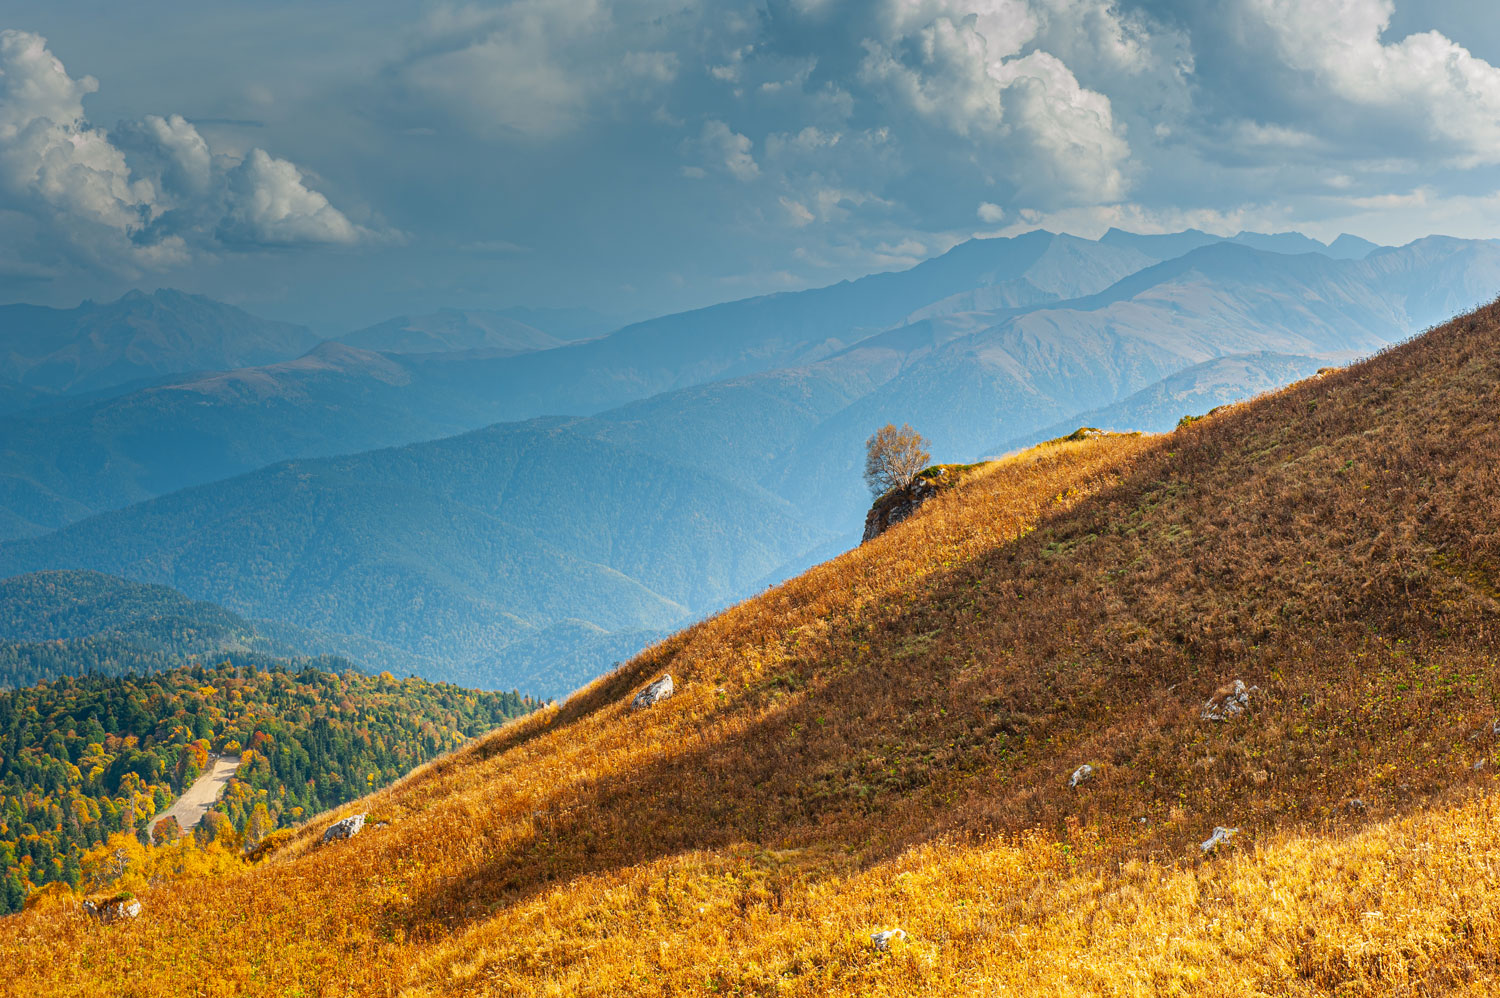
x: 887, y: 741
x: 71, y: 623
x: 452, y: 549
x: 139, y: 336
x: 452, y: 329
x: 1192, y: 391
x: 969, y: 381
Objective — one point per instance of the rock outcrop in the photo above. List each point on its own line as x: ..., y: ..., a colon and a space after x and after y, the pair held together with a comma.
x: 1082, y: 773
x: 345, y: 828
x: 898, y: 504
x: 115, y: 909
x: 1220, y: 836
x: 883, y: 939
x: 1228, y: 701
x: 653, y: 694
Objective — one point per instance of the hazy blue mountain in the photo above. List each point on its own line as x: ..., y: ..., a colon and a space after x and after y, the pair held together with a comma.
x: 452, y: 549
x: 1347, y: 247
x: 1192, y: 391
x: 140, y: 336
x: 1280, y: 242
x: 565, y: 324
x: 1012, y: 375
x: 541, y: 547
x: 1159, y: 246
x: 60, y: 464
x: 85, y: 621
x: 1166, y: 246
x: 492, y: 333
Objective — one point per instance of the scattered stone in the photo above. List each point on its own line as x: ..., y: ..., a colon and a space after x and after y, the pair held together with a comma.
x: 1220, y: 836
x: 1228, y: 700
x: 1354, y: 804
x: 345, y: 828
x: 115, y: 909
x: 883, y: 940
x: 653, y: 694
x: 1495, y: 729
x: 1479, y: 764
x: 1141, y: 821
x: 1082, y: 773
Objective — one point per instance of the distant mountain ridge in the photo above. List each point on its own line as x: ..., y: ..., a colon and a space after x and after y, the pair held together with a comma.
x: 704, y: 455
x: 138, y: 336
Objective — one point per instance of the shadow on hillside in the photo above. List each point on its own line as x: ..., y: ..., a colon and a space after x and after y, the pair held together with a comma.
x: 1044, y: 653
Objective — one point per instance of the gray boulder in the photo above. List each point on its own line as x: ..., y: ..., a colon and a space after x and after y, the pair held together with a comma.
x: 883, y: 939
x: 1084, y: 772
x: 118, y: 909
x: 345, y: 828
x: 1228, y: 701
x: 653, y: 694
x: 1220, y: 836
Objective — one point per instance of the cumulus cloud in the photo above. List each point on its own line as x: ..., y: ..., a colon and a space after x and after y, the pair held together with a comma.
x: 536, y: 69
x: 1425, y: 82
x: 730, y: 150
x: 147, y: 195
x: 269, y: 205
x: 962, y: 65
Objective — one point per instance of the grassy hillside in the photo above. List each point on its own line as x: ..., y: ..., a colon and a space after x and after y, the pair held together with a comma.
x: 84, y: 759
x: 886, y: 742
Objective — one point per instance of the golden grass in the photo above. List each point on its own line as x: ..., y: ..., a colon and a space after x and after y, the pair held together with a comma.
x: 885, y: 741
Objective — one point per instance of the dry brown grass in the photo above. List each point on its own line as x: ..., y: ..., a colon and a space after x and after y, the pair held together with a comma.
x: 885, y: 741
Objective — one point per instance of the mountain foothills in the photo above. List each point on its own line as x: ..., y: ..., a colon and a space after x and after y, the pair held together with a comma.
x: 558, y: 498
x: 1202, y: 713
x: 56, y: 624
x: 85, y: 761
x: 141, y: 336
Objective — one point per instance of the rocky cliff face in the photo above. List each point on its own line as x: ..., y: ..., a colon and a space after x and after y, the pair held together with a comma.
x: 897, y: 504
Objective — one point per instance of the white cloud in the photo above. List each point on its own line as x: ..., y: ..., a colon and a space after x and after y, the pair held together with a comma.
x: 146, y: 196
x: 990, y: 212
x: 963, y: 69
x: 1425, y: 82
x: 796, y: 211
x: 731, y: 150
x: 1072, y: 151
x: 268, y: 204
x: 538, y: 69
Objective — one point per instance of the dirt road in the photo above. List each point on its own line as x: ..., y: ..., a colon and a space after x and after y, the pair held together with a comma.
x: 195, y: 801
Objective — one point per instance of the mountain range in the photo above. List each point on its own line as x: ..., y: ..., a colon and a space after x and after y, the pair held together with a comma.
x: 467, y: 496
x: 1197, y: 714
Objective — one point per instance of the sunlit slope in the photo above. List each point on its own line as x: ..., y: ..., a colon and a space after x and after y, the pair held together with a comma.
x: 886, y: 742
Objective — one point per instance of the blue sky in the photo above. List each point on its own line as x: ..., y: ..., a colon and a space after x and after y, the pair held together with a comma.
x: 339, y: 162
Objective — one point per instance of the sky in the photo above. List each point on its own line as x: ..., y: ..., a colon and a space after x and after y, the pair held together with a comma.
x: 338, y: 162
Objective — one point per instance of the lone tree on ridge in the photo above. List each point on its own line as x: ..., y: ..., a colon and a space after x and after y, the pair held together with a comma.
x: 893, y: 457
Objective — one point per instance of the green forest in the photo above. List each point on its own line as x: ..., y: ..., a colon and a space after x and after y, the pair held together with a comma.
x: 83, y: 758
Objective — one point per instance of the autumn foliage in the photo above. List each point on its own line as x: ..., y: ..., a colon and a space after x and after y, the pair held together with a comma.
x: 885, y: 742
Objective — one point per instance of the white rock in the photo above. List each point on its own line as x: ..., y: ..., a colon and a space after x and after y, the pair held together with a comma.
x: 1084, y: 772
x: 1228, y: 701
x: 345, y: 828
x: 883, y: 939
x: 1220, y: 836
x: 114, y: 910
x: 653, y: 694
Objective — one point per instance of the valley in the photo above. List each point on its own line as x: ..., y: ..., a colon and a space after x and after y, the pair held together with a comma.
x: 887, y: 741
x: 421, y: 509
